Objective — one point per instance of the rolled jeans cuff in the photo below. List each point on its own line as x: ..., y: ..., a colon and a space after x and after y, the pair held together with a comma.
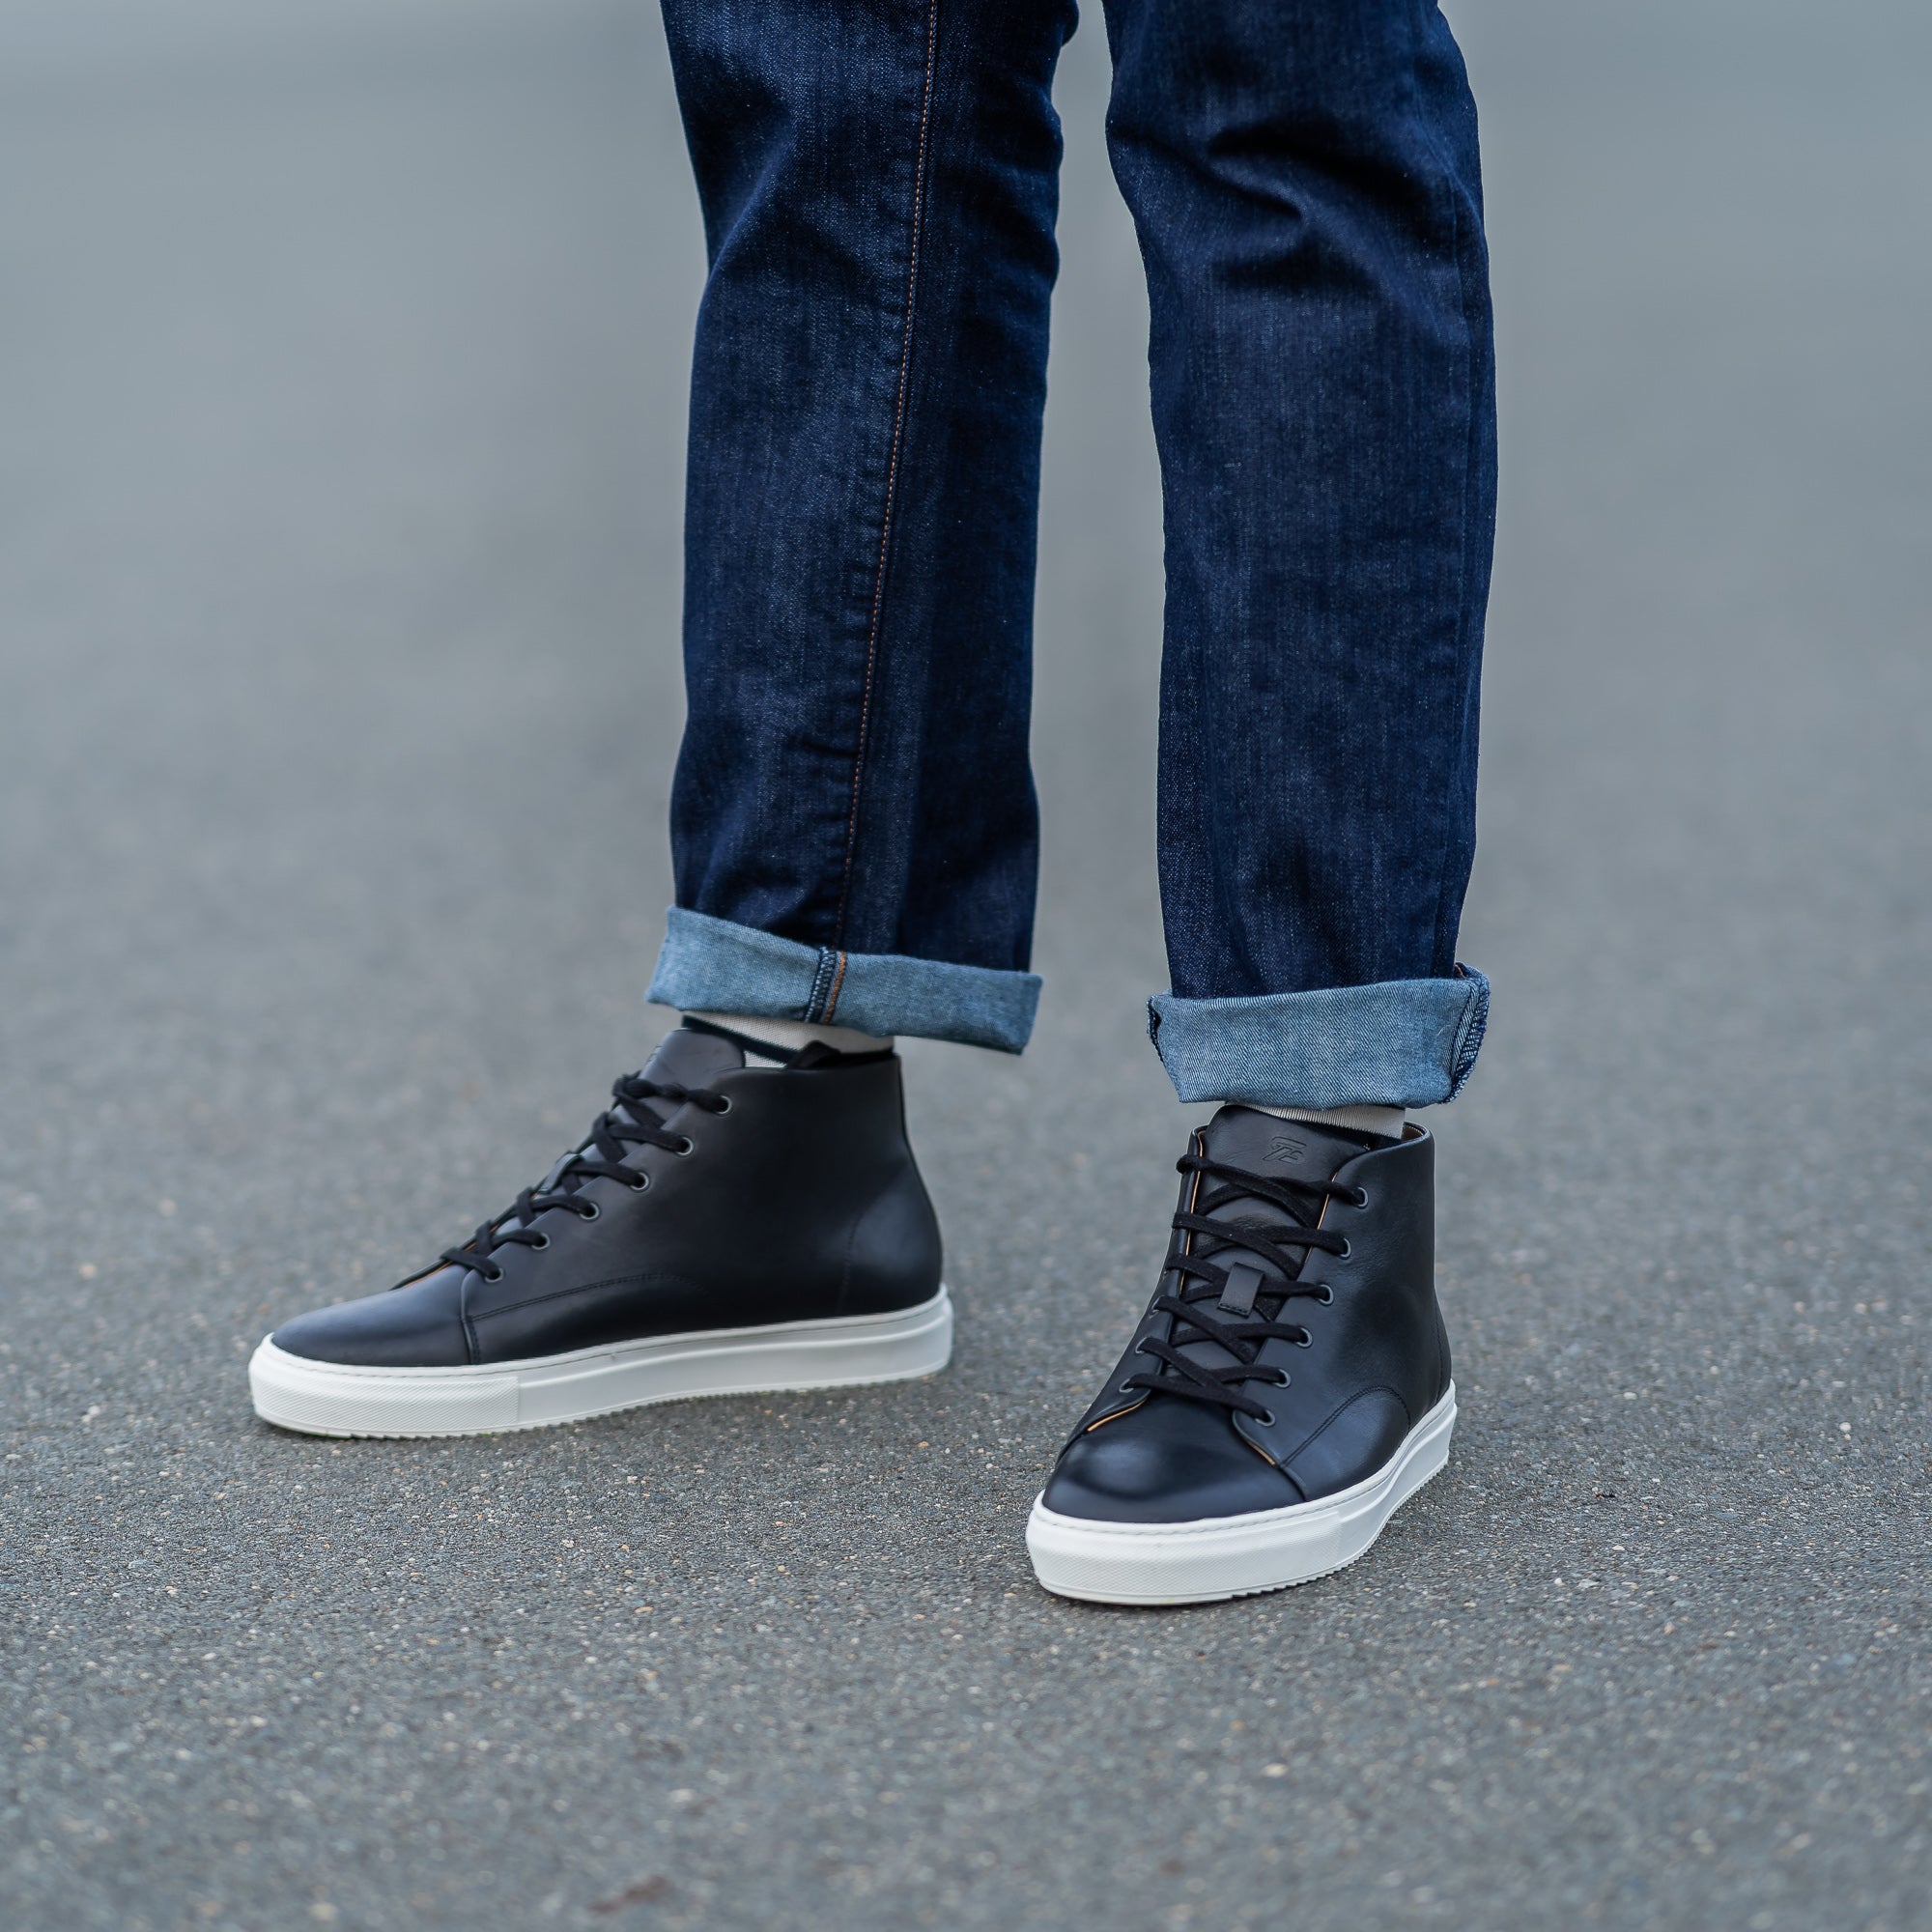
x: 1401, y: 1043
x: 715, y: 965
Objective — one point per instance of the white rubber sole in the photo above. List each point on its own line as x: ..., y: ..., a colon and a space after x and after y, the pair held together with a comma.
x: 1233, y: 1555
x: 328, y: 1399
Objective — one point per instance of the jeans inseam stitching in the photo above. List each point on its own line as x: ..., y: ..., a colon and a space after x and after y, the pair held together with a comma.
x: 1470, y: 1030
x: 831, y: 998
x: 815, y: 1008
x: 892, y: 466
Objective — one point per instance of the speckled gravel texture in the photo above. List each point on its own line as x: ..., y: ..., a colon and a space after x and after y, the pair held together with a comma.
x: 341, y: 369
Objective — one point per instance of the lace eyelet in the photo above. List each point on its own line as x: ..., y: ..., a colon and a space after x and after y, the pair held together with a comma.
x: 1326, y: 1296
x: 1307, y: 1341
x: 541, y: 1241
x: 642, y: 1182
x: 1265, y: 1418
x: 1346, y: 1249
x: 1361, y: 1199
x: 491, y: 1273
x: 724, y: 1105
x: 589, y: 1212
x: 689, y: 1146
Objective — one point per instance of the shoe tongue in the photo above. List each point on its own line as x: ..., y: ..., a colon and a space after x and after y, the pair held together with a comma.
x: 1264, y: 1144
x: 1282, y: 1150
x: 688, y: 1058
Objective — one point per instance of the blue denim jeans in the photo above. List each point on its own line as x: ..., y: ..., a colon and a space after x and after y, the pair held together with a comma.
x: 854, y: 824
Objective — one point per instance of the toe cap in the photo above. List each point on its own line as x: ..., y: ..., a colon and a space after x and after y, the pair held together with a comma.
x: 1168, y: 1461
x: 416, y: 1326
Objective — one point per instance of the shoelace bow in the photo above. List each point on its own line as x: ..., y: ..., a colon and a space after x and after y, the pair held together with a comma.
x: 601, y: 1156
x: 1221, y: 1300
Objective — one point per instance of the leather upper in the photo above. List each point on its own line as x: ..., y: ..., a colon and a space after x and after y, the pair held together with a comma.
x: 1375, y: 1361
x: 800, y: 1203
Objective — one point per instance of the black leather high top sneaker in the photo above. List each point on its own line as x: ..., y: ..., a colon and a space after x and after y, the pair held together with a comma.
x: 1288, y: 1387
x: 723, y: 1228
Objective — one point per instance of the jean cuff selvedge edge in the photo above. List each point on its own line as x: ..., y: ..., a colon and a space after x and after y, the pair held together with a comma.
x: 715, y: 965
x: 1399, y: 1043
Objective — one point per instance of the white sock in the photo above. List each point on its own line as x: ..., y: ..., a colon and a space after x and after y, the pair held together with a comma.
x: 788, y: 1037
x: 1384, y: 1121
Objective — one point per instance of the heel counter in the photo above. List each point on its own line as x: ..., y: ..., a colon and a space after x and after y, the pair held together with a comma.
x: 1399, y: 1262
x: 1425, y: 1235
x: 1427, y: 1238
x: 892, y: 1257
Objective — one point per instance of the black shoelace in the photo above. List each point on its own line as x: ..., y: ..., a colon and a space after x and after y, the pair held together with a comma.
x: 627, y: 1125
x: 1222, y: 1296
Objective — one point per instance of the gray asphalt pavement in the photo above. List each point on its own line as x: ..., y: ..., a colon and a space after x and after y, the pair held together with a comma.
x: 342, y: 353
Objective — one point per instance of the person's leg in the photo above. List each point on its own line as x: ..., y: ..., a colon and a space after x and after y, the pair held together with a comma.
x: 1304, y: 179
x: 853, y: 818
x: 1306, y: 186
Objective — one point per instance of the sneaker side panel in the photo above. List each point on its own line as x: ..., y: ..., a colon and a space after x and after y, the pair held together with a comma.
x: 799, y: 1202
x: 804, y: 1189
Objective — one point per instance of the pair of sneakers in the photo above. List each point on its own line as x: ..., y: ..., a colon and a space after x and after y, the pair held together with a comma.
x: 739, y: 1221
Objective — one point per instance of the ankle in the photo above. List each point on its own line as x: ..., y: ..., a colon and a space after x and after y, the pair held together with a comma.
x: 785, y: 1037
x: 1386, y: 1121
